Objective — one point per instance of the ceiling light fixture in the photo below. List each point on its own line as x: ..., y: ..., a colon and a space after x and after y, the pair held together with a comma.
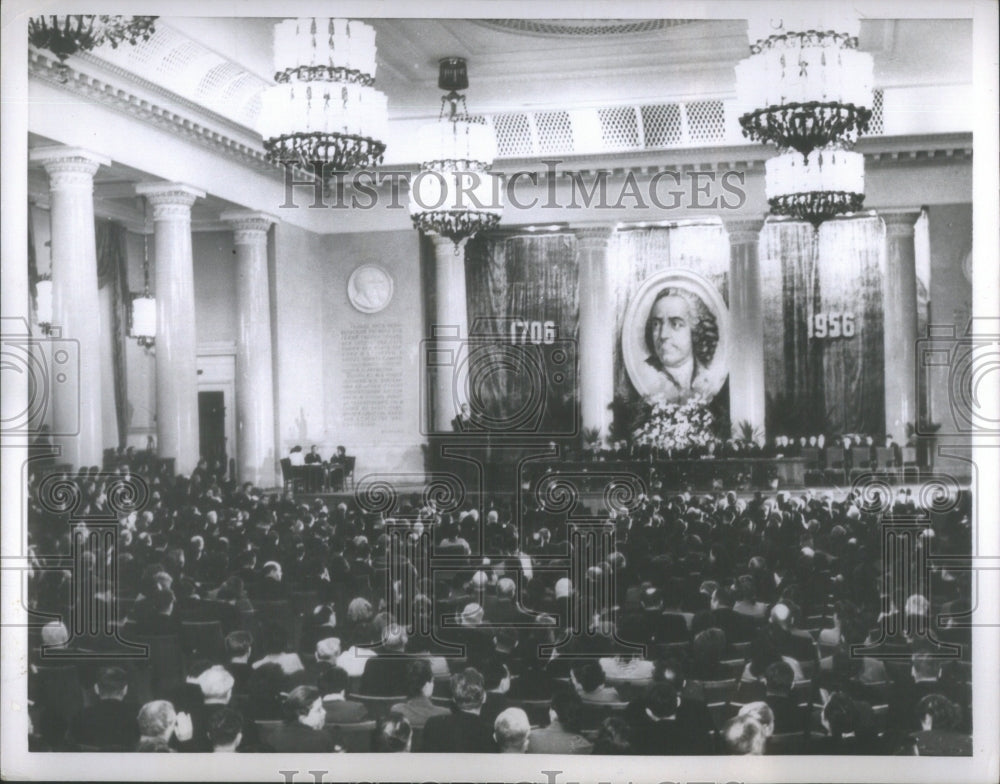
x: 324, y: 111
x: 455, y: 195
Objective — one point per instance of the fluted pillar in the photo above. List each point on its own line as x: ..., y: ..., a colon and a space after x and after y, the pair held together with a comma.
x: 75, y: 383
x: 255, y: 448
x: 747, y: 398
x: 176, y: 343
x: 900, y: 327
x: 450, y: 326
x: 596, y: 353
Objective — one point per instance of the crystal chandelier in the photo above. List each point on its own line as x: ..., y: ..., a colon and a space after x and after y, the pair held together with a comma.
x: 817, y: 186
x: 67, y: 35
x: 455, y: 195
x: 142, y: 316
x: 805, y: 84
x: 808, y: 90
x: 324, y: 110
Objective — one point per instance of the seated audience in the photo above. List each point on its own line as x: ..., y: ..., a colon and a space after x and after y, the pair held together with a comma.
x: 418, y: 707
x: 109, y: 723
x: 393, y: 734
x: 332, y: 686
x: 462, y: 730
x: 560, y: 736
x: 302, y: 730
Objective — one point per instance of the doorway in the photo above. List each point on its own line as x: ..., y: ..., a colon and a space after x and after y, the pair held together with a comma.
x: 212, y: 426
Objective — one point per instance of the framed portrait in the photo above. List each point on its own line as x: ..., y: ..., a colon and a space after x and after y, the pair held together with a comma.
x: 675, y: 337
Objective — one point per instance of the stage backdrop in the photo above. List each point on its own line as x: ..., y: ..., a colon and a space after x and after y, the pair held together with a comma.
x: 635, y: 254
x: 823, y: 318
x: 523, y: 310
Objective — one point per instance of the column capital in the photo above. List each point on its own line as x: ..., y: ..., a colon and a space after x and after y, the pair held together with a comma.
x: 593, y: 238
x: 899, y: 224
x: 249, y: 227
x: 69, y: 166
x: 744, y: 231
x: 169, y: 199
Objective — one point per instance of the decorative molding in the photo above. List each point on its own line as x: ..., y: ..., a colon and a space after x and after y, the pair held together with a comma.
x: 592, y: 239
x: 69, y: 167
x: 121, y: 100
x: 249, y: 228
x: 899, y: 224
x: 171, y: 201
x: 744, y: 231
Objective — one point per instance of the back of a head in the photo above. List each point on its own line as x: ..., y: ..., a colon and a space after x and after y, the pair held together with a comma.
x: 216, y: 683
x: 112, y: 682
x: 661, y: 700
x: 723, y: 597
x: 394, y: 637
x: 511, y: 730
x: 418, y: 675
x: 224, y: 726
x: 328, y: 649
x: 156, y: 718
x: 839, y: 714
x: 393, y: 734
x: 494, y: 673
x: 762, y: 712
x: 779, y: 677
x: 942, y: 712
x: 238, y: 643
x: 925, y: 667
x: 744, y: 735
x: 708, y: 646
x: 468, y: 689
x: 332, y: 680
x: 299, y: 702
x: 566, y: 704
x: 589, y: 674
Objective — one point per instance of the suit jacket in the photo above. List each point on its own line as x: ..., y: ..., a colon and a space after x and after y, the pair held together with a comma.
x: 210, y: 610
x: 495, y: 704
x: 107, y: 723
x: 417, y: 710
x: 384, y: 676
x: 344, y: 711
x: 458, y: 732
x: 788, y: 716
x: 554, y: 739
x: 738, y: 627
x: 300, y: 739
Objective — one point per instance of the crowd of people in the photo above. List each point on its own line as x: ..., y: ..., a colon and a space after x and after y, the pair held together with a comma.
x: 704, y: 624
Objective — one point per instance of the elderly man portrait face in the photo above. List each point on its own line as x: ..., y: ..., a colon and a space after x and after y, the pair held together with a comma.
x: 670, y: 324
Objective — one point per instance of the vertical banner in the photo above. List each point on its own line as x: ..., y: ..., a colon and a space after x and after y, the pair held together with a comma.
x: 822, y: 306
x: 523, y: 306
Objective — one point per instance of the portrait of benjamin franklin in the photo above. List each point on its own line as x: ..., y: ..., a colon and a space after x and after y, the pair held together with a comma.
x: 672, y: 333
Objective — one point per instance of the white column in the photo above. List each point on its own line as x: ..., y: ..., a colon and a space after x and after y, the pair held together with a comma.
x: 450, y: 327
x: 75, y: 384
x: 176, y: 345
x: 256, y: 455
x: 747, y: 399
x: 596, y: 354
x: 900, y: 327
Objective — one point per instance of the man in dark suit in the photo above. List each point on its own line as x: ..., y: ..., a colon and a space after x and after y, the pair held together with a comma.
x: 789, y: 641
x: 332, y: 684
x: 660, y: 727
x: 738, y: 627
x: 385, y: 673
x: 463, y: 730
x: 788, y: 716
x: 496, y: 679
x: 110, y: 722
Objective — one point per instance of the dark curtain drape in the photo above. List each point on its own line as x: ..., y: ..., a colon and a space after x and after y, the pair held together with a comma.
x: 516, y: 381
x: 112, y: 270
x: 829, y: 385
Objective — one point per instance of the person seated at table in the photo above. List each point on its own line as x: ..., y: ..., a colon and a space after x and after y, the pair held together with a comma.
x: 315, y: 471
x: 295, y: 456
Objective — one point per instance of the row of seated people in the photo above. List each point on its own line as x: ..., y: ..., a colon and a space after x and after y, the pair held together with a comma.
x: 780, y: 561
x: 388, y: 699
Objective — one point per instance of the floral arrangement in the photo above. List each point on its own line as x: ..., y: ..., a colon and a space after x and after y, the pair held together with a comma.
x: 677, y: 427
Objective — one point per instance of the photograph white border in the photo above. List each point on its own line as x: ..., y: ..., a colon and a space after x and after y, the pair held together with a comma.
x: 18, y: 764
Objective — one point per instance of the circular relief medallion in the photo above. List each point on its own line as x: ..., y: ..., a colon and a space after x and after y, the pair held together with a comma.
x: 369, y: 288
